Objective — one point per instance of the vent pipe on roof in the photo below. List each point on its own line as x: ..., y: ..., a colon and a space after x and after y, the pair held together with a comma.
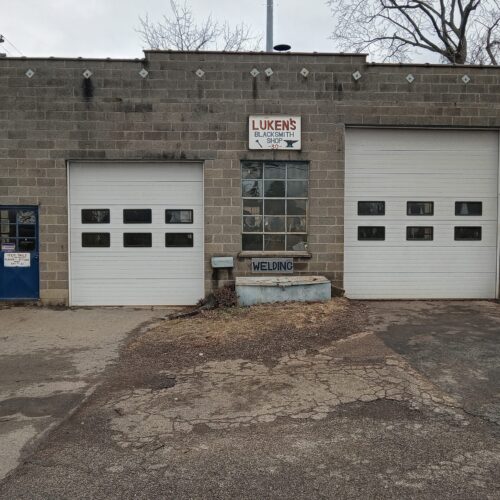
x: 270, y: 26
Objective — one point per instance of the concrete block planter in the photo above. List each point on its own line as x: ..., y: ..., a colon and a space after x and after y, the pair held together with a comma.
x: 262, y: 290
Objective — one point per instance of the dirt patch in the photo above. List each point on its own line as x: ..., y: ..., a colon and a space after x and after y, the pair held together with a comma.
x: 261, y: 333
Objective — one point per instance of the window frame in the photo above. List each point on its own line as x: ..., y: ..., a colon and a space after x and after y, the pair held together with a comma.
x: 457, y: 206
x: 371, y: 215
x: 93, y: 233
x: 419, y: 215
x: 10, y: 219
x: 137, y: 210
x: 360, y: 228
x: 287, y: 219
x: 408, y: 228
x: 467, y: 227
x: 125, y: 234
x: 190, y: 210
x: 179, y: 246
x: 108, y: 221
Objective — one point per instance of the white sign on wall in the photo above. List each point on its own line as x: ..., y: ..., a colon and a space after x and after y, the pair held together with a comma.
x: 281, y: 265
x: 12, y: 259
x: 275, y: 132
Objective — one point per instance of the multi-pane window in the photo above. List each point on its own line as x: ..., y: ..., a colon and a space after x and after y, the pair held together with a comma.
x: 18, y: 229
x: 274, y: 205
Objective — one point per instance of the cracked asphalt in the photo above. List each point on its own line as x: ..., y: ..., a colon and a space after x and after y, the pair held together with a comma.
x: 408, y: 406
x: 50, y: 361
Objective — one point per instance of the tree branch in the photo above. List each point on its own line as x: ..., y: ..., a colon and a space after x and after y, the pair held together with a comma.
x: 180, y: 31
x: 451, y: 29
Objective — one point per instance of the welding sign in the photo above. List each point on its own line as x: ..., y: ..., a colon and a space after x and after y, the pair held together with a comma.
x: 275, y: 132
x: 280, y: 265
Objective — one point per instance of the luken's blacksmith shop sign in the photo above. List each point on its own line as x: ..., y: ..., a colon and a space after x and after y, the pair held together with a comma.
x: 275, y: 132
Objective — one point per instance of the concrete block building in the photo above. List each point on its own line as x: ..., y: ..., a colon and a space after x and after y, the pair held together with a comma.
x: 120, y: 180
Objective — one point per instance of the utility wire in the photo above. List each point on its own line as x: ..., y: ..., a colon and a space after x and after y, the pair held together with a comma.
x: 12, y: 45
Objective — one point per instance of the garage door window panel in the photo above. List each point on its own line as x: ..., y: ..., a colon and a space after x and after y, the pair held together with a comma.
x: 468, y: 233
x: 468, y: 208
x: 137, y: 216
x: 419, y: 233
x: 179, y: 240
x: 96, y: 240
x: 178, y: 216
x: 137, y: 240
x: 420, y: 208
x: 371, y: 208
x: 371, y: 233
x: 278, y: 211
x: 95, y: 216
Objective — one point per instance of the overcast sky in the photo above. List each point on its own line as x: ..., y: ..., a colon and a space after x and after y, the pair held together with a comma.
x: 106, y: 28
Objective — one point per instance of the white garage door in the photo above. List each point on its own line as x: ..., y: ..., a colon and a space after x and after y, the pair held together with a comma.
x: 136, y: 233
x: 421, y: 214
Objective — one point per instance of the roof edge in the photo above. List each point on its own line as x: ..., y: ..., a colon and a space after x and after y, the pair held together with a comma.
x: 82, y: 59
x: 246, y: 53
x: 256, y: 53
x: 434, y: 65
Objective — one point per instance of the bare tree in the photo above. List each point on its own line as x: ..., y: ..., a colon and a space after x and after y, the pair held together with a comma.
x: 458, y: 31
x: 181, y: 31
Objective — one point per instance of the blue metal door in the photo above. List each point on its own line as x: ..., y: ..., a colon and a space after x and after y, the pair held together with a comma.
x: 19, y: 253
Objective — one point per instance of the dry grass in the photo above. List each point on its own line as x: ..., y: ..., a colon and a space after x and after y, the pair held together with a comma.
x: 263, y: 333
x: 225, y: 326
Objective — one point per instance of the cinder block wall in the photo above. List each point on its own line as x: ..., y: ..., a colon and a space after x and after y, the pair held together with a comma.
x: 58, y: 115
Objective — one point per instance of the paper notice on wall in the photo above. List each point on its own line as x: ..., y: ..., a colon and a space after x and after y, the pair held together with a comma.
x: 12, y: 259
